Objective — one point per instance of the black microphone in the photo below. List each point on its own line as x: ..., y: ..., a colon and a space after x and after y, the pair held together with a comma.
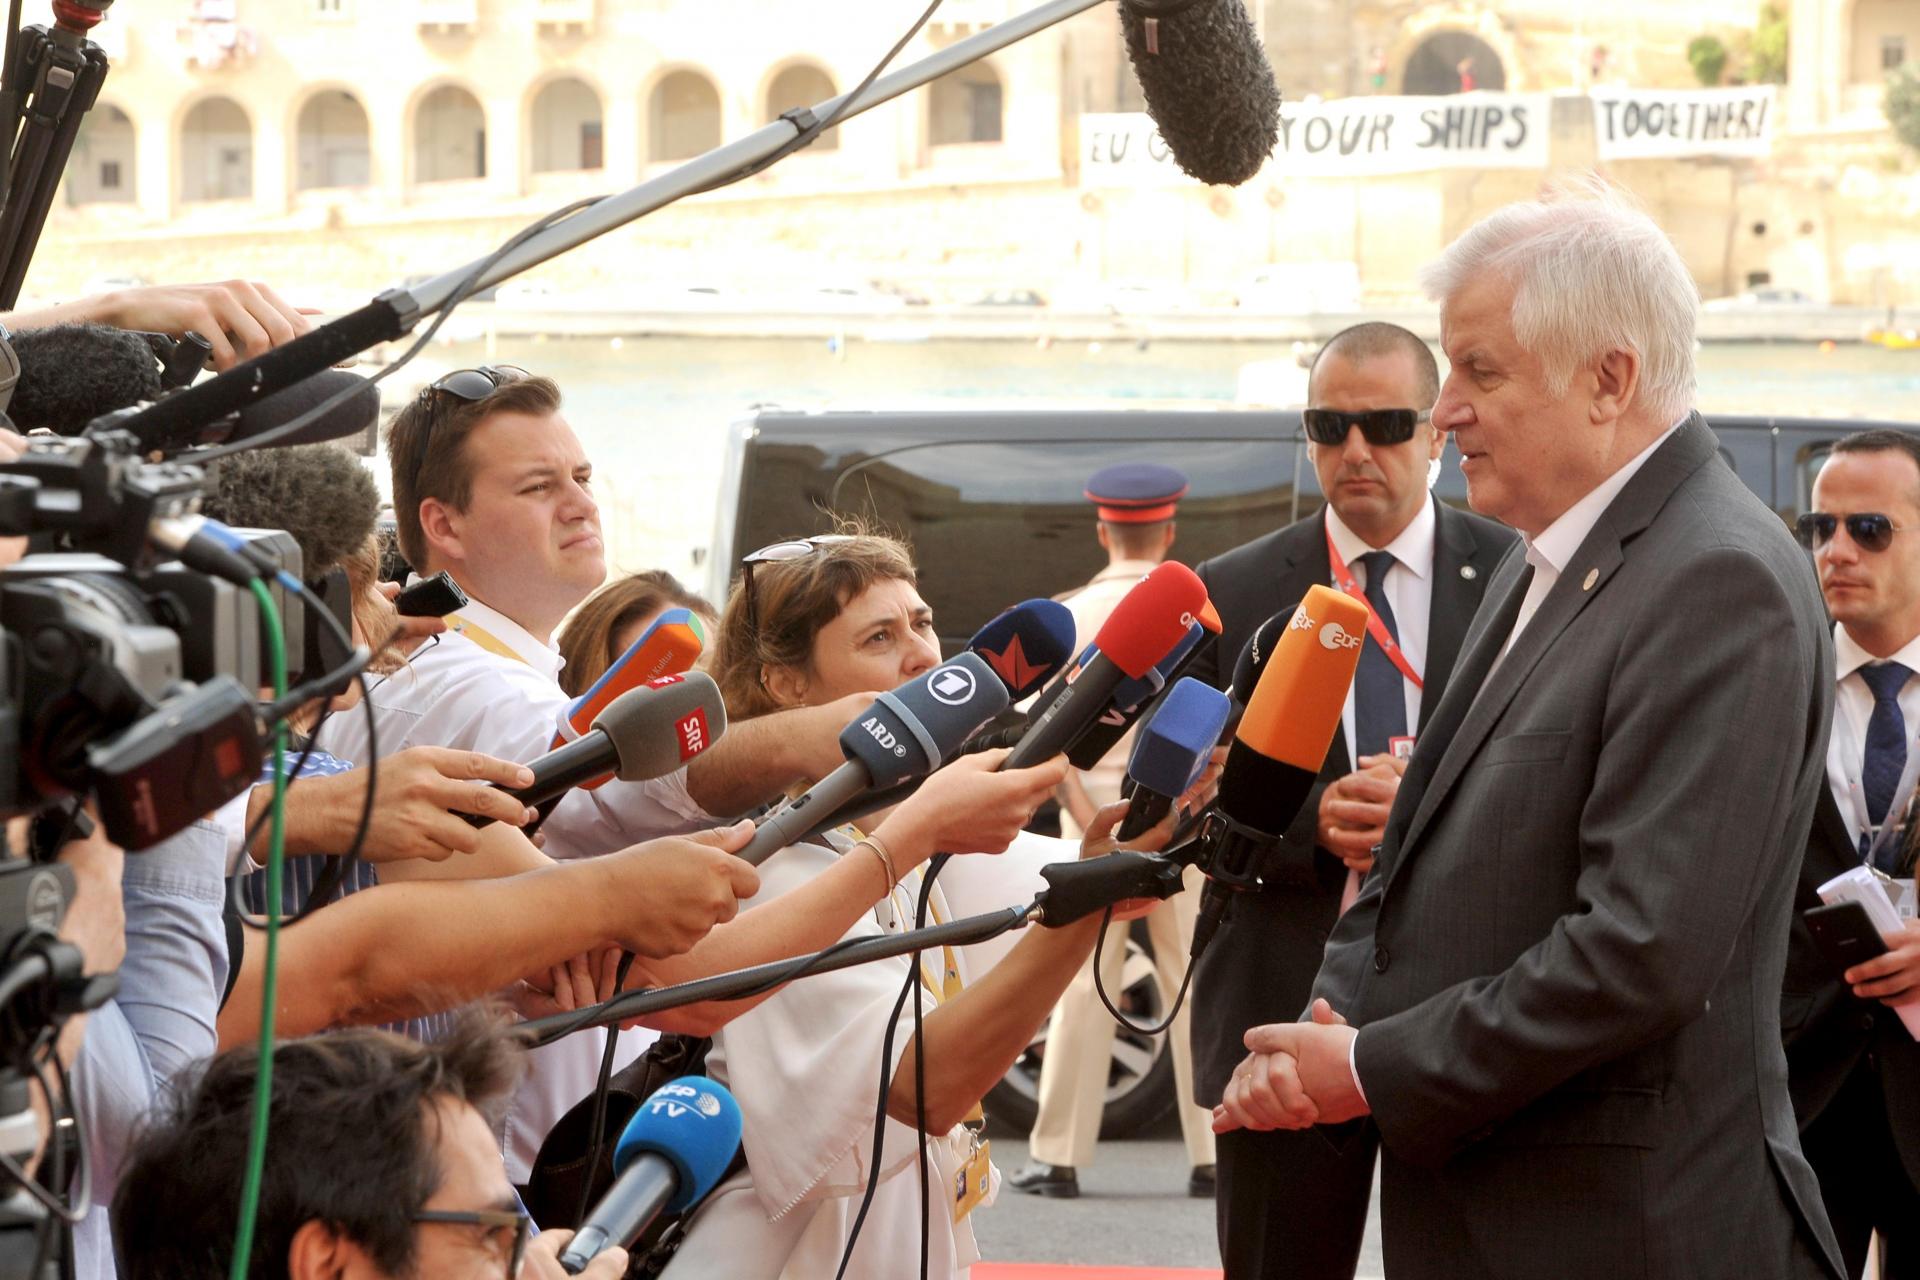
x: 905, y: 734
x: 1208, y: 84
x: 355, y: 414
x: 1130, y: 702
x: 71, y: 374
x: 644, y: 733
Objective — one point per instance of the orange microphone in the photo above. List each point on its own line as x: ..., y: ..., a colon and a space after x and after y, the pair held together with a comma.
x: 669, y: 648
x: 1280, y: 744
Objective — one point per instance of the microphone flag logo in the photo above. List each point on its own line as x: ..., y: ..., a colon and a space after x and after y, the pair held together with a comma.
x: 953, y: 686
x: 1012, y: 666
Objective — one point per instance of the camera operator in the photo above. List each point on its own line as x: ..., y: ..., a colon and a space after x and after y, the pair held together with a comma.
x: 383, y: 1164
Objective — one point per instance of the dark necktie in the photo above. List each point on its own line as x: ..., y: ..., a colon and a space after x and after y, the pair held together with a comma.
x: 1379, y: 696
x: 1886, y: 757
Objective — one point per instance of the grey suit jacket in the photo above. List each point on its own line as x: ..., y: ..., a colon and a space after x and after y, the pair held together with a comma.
x: 1566, y: 967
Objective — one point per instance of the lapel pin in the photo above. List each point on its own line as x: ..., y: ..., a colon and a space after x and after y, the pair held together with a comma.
x: 1593, y: 576
x: 1468, y: 572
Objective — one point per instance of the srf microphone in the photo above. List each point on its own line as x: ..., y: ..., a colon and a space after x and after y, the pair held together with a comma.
x: 1171, y: 750
x: 644, y: 733
x: 1142, y: 629
x: 1025, y: 644
x: 676, y: 1149
x: 1130, y: 700
x: 906, y: 733
x: 669, y: 647
x: 1208, y: 84
x: 1280, y: 745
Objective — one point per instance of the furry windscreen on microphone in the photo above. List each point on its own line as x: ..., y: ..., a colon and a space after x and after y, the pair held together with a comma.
x: 1208, y: 84
x: 70, y: 374
x: 320, y: 493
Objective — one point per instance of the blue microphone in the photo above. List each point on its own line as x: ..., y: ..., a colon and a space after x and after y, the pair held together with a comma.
x: 1025, y: 644
x: 1171, y: 750
x: 676, y: 1148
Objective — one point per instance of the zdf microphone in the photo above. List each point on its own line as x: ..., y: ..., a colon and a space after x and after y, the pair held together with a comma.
x: 675, y: 1150
x: 1279, y: 746
x: 1208, y: 84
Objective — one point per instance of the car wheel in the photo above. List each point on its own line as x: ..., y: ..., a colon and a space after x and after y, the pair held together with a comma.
x: 1140, y: 1087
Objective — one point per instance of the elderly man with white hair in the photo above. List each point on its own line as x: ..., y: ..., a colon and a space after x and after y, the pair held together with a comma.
x: 1556, y: 1000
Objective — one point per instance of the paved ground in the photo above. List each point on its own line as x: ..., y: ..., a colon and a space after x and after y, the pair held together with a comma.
x: 1133, y: 1210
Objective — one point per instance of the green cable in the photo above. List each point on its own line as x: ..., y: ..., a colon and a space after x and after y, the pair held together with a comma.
x: 263, y: 1086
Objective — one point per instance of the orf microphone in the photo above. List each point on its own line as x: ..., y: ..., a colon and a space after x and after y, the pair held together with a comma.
x: 1171, y: 750
x: 644, y: 733
x: 1208, y: 84
x: 905, y: 734
x: 1280, y: 745
x: 676, y: 1149
x: 669, y: 647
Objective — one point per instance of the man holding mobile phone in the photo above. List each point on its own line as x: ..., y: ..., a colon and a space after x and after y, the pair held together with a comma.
x: 1853, y: 1067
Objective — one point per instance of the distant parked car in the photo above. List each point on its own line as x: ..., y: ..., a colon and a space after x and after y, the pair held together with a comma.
x: 1762, y: 300
x: 1008, y: 298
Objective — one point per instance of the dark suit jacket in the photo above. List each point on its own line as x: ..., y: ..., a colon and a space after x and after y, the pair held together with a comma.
x: 1829, y: 1033
x: 1565, y: 969
x: 1260, y: 965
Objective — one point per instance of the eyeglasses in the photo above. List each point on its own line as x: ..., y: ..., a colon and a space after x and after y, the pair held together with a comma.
x: 793, y: 549
x: 467, y: 386
x: 495, y: 1221
x: 1377, y: 426
x: 1869, y: 530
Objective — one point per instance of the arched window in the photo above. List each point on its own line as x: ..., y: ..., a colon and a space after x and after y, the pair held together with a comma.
x: 216, y: 152
x: 449, y: 136
x: 802, y: 86
x: 566, y: 127
x: 101, y: 170
x: 683, y: 117
x: 965, y: 106
x: 1453, y: 62
x: 334, y: 146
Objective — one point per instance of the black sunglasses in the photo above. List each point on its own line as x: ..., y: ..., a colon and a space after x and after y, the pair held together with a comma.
x: 791, y: 549
x: 495, y: 1221
x: 467, y: 386
x: 1377, y: 426
x: 1869, y: 530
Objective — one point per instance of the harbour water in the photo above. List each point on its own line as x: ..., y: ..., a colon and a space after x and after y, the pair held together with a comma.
x: 654, y: 413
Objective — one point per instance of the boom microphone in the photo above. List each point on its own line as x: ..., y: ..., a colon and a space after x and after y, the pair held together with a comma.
x: 1171, y: 751
x: 905, y: 734
x: 1280, y: 745
x: 70, y: 374
x: 675, y: 1150
x: 1208, y: 84
x: 644, y: 733
x: 668, y: 648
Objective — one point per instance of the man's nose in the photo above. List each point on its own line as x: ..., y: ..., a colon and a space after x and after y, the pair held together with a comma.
x: 1355, y: 450
x: 1451, y: 411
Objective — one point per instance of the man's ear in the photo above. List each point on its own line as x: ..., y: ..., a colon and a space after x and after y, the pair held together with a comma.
x: 1173, y: 531
x: 441, y: 531
x: 1106, y: 537
x: 1616, y: 378
x: 319, y: 1252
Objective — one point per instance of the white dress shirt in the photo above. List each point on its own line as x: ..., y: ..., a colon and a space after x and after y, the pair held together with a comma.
x: 1847, y: 745
x: 1409, y: 588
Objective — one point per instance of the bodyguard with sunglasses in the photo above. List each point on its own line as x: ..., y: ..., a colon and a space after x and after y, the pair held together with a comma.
x: 1853, y: 1069
x: 1295, y: 1203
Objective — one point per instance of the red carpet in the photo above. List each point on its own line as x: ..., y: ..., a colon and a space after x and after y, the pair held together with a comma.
x: 1035, y: 1271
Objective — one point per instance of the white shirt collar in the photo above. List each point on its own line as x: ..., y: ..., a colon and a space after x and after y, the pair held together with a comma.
x: 1413, y: 548
x: 1130, y: 570
x: 1849, y: 657
x: 1558, y: 541
x: 542, y: 658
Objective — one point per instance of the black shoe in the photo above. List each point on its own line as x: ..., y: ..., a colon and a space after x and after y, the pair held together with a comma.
x: 1054, y: 1181
x: 1200, y: 1182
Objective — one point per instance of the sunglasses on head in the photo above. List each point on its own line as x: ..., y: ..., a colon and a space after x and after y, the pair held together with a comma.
x: 792, y: 549
x: 467, y: 386
x: 1377, y: 426
x: 1870, y: 530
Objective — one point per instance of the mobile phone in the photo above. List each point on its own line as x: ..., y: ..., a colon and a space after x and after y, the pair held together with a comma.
x: 1844, y: 934
x: 434, y: 597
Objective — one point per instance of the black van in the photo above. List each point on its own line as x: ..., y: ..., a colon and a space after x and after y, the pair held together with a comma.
x: 992, y: 504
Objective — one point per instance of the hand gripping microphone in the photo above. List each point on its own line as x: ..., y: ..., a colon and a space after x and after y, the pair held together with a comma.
x: 1171, y: 750
x: 1143, y: 628
x: 676, y: 1149
x: 1280, y: 745
x: 669, y: 647
x: 1130, y: 700
x: 906, y: 733
x: 1025, y: 644
x: 1207, y: 82
x: 644, y: 733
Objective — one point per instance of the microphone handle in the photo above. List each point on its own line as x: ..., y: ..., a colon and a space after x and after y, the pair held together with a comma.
x: 630, y: 1205
x: 1148, y: 808
x: 815, y: 811
x: 559, y: 771
x: 1078, y: 705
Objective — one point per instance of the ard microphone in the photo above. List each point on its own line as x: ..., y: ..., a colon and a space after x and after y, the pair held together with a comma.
x: 1130, y: 700
x: 644, y: 733
x: 1142, y: 629
x: 1026, y: 644
x: 1171, y: 751
x: 1208, y: 84
x: 905, y: 734
x: 668, y: 648
x: 676, y: 1149
x: 1280, y: 745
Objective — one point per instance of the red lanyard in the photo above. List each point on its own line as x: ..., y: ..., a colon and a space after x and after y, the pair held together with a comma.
x: 1343, y: 576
